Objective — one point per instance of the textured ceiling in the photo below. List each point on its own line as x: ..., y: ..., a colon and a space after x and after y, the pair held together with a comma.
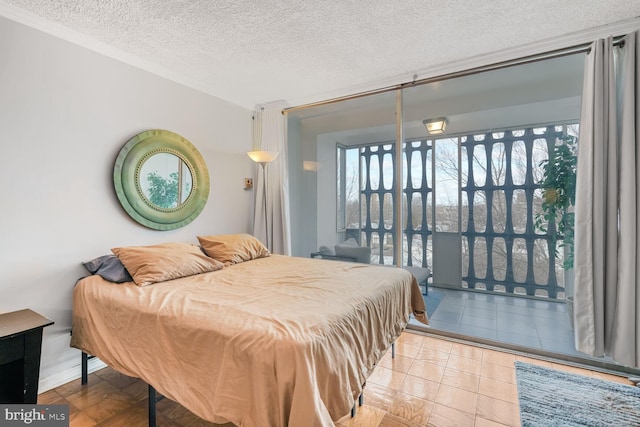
x: 255, y: 52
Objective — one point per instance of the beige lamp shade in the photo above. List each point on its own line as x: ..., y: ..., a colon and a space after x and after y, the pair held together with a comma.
x: 435, y: 126
x: 260, y: 156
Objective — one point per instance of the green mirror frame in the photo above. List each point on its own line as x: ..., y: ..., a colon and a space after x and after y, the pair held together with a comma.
x: 126, y: 179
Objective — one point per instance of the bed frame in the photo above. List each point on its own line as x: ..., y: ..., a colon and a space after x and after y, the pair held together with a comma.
x: 154, y: 397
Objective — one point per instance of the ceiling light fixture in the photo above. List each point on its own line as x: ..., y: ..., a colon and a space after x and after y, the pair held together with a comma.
x: 435, y: 126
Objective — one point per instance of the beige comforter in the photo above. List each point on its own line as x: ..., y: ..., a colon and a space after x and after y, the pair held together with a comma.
x: 277, y: 341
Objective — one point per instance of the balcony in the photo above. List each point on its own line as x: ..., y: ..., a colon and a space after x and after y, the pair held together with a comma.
x: 521, y: 324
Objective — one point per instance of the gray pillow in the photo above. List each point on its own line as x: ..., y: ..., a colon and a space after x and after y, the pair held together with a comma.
x: 351, y: 249
x: 109, y: 267
x: 326, y: 250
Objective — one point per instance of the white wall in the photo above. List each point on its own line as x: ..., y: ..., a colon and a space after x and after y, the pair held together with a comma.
x: 65, y: 112
x: 303, y: 177
x: 327, y: 191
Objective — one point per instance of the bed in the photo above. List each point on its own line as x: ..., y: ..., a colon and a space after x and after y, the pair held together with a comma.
x: 271, y: 341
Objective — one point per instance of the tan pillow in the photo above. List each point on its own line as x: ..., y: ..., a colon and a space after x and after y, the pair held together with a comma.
x: 157, y: 263
x: 233, y: 248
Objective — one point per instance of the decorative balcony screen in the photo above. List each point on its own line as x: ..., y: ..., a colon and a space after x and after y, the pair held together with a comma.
x: 498, y: 177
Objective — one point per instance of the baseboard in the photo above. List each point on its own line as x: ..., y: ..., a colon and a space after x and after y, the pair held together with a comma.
x: 68, y: 375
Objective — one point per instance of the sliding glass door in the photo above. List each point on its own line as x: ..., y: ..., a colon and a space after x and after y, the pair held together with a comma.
x: 470, y: 203
x: 341, y: 177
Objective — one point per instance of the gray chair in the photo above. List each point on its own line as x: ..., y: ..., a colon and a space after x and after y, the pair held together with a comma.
x: 350, y: 249
x: 421, y: 274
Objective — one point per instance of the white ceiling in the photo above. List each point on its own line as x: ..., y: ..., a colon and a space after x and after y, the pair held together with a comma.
x: 256, y: 52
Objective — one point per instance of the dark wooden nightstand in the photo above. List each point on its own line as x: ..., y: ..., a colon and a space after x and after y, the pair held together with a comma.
x: 20, y: 346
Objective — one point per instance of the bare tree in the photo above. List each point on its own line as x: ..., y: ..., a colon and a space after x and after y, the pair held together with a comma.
x: 352, y: 196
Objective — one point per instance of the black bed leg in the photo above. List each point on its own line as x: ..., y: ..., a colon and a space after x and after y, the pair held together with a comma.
x: 152, y: 406
x: 353, y: 408
x: 393, y: 350
x: 361, y: 399
x: 85, y: 368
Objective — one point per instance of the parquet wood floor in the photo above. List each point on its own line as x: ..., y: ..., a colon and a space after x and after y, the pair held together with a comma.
x: 431, y: 382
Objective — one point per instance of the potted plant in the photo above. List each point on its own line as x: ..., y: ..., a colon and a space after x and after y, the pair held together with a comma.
x: 557, y: 217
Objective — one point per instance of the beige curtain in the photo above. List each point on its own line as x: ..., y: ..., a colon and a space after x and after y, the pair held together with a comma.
x: 273, y: 227
x: 606, y: 244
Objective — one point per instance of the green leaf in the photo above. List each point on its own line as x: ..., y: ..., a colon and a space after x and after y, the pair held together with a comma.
x: 559, y: 176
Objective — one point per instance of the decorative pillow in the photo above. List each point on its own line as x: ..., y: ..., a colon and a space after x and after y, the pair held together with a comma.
x: 109, y: 267
x: 326, y: 250
x: 233, y: 248
x: 351, y: 249
x: 157, y: 263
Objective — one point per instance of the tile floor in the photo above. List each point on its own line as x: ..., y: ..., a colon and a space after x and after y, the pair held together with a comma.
x: 542, y: 325
x: 431, y: 382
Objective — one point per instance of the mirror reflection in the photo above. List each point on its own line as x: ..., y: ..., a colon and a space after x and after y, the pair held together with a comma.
x: 165, y: 180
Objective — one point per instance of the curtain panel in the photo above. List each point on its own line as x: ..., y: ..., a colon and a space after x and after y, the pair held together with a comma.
x: 606, y: 211
x: 272, y: 224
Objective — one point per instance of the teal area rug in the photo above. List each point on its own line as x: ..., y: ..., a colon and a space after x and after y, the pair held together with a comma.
x: 553, y: 398
x: 432, y: 300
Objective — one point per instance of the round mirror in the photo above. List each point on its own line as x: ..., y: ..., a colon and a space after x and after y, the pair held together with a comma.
x: 161, y: 180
